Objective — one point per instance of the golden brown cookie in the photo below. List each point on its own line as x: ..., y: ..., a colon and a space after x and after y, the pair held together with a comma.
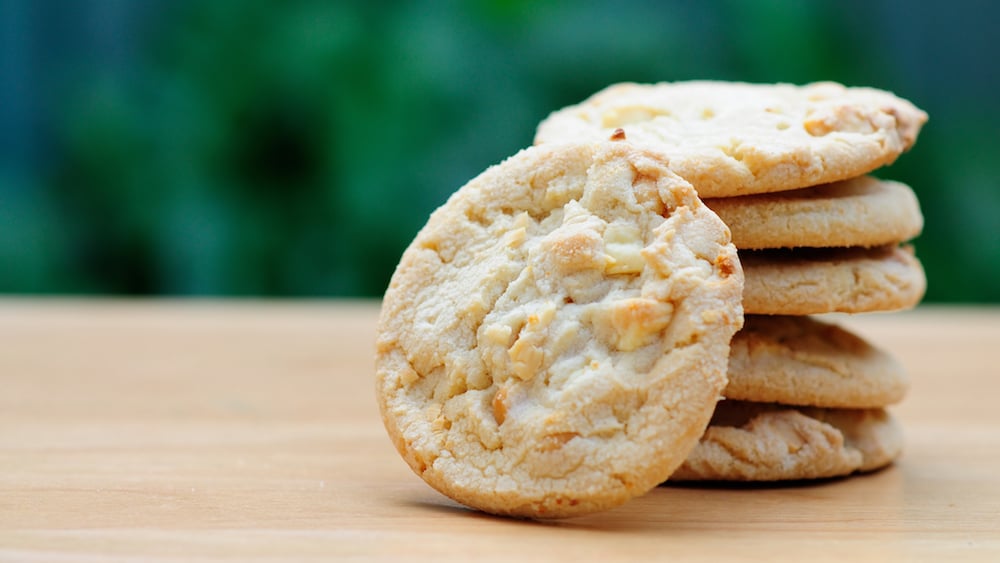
x: 731, y: 139
x: 808, y: 281
x: 767, y: 442
x: 554, y: 340
x: 862, y: 211
x: 803, y: 361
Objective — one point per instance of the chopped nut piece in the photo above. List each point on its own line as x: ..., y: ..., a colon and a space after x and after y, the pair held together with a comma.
x: 499, y: 406
x: 636, y: 321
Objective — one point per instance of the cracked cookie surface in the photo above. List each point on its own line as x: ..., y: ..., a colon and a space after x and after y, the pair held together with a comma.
x: 804, y: 361
x: 810, y: 281
x: 768, y: 442
x: 731, y: 139
x: 863, y: 211
x: 554, y: 340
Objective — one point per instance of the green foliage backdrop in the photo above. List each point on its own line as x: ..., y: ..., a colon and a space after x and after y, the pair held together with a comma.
x: 294, y: 148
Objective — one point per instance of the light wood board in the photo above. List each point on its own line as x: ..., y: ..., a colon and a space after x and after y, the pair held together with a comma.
x: 248, y: 431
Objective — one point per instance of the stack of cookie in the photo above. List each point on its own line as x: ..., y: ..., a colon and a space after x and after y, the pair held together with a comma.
x: 556, y: 338
x: 785, y: 167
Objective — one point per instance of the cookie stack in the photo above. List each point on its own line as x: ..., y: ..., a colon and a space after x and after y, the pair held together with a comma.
x: 785, y: 167
x: 556, y: 339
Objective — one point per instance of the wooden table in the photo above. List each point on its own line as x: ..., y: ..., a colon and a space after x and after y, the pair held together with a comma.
x: 248, y: 431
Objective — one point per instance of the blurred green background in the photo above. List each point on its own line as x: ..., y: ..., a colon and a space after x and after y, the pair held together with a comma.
x: 294, y: 148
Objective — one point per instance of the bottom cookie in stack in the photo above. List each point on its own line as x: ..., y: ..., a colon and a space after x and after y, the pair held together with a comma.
x: 806, y: 400
x: 770, y: 442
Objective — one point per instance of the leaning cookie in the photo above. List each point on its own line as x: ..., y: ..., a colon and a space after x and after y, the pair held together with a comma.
x: 768, y: 442
x: 803, y: 361
x: 809, y: 281
x: 554, y: 340
x: 731, y: 139
x: 861, y: 211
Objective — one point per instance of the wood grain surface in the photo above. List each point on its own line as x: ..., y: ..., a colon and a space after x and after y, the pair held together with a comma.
x: 248, y: 431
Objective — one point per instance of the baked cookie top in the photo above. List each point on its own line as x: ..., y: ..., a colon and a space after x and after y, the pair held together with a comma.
x: 803, y: 361
x: 554, y: 340
x: 862, y: 211
x: 731, y: 139
x: 768, y: 442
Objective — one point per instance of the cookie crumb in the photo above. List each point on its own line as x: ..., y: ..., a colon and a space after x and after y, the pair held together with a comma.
x: 725, y: 264
x: 618, y: 135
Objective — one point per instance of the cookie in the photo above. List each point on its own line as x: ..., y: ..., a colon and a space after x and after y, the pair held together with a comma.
x: 554, y: 340
x: 808, y: 281
x: 731, y: 139
x: 803, y: 361
x: 862, y: 211
x: 767, y: 442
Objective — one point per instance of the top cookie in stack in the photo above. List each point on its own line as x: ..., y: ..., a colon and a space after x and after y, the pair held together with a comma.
x: 785, y: 167
x: 732, y: 139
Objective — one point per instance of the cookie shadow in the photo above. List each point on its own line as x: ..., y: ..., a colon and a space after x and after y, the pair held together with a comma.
x: 772, y: 485
x: 752, y: 485
x: 448, y: 508
x: 675, y: 508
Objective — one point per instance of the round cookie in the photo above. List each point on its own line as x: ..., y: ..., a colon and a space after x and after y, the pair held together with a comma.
x: 767, y: 442
x: 862, y: 211
x: 808, y: 281
x: 802, y: 361
x: 731, y: 139
x: 554, y: 340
